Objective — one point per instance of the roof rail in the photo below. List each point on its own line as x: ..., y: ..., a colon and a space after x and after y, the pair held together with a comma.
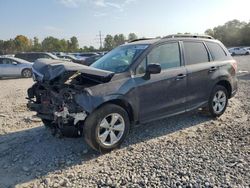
x: 140, y: 39
x: 188, y: 36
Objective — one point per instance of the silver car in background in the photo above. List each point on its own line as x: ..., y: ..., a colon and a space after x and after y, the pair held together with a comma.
x: 15, y: 67
x: 239, y: 51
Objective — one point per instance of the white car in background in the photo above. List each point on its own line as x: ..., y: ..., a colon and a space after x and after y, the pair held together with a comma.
x: 247, y: 48
x: 239, y: 51
x: 15, y: 67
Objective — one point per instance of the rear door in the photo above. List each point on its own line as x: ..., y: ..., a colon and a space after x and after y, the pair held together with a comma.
x: 200, y: 71
x: 164, y: 93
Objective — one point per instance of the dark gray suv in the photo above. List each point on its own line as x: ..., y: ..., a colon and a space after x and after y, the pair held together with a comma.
x: 133, y: 84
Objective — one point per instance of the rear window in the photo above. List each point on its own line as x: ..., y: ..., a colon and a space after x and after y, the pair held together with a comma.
x: 216, y: 51
x: 195, y: 52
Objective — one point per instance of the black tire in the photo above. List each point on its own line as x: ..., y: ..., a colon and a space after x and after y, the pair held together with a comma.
x: 48, y: 123
x: 211, y: 103
x: 247, y: 53
x: 26, y: 73
x: 92, y: 127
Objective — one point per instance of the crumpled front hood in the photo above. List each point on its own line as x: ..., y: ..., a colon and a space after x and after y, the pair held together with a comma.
x: 48, y: 69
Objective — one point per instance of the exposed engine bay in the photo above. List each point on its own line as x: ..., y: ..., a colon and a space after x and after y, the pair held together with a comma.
x: 55, y: 97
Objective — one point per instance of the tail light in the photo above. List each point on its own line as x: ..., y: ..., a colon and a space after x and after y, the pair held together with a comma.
x: 234, y: 64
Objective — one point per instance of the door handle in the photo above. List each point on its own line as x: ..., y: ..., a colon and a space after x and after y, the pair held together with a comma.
x: 212, y: 69
x: 180, y: 76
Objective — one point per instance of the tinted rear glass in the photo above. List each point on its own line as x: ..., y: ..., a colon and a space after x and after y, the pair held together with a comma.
x: 216, y: 51
x: 195, y: 52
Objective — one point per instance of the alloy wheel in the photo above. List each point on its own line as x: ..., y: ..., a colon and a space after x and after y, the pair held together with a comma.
x: 111, y: 129
x: 219, y: 101
x: 27, y: 73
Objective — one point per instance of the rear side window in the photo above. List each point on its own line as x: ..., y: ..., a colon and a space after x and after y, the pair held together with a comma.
x: 195, y: 52
x: 216, y: 51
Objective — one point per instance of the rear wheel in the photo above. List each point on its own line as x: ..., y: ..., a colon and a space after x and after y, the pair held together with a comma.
x: 218, y: 101
x: 106, y: 128
x: 26, y: 73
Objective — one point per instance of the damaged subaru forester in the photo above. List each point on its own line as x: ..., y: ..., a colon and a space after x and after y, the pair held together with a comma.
x: 135, y: 83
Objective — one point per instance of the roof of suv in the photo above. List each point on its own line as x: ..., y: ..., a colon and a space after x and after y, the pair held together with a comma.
x: 172, y: 37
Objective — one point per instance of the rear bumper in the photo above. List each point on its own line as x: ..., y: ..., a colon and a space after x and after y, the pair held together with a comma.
x: 234, y: 86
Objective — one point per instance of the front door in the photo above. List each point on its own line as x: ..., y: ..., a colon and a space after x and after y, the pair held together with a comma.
x: 164, y: 93
x: 10, y: 67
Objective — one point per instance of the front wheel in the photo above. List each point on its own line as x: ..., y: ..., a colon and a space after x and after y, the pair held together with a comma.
x: 106, y: 128
x: 218, y: 101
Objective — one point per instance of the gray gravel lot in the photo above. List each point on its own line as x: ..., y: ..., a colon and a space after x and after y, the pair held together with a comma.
x: 190, y: 150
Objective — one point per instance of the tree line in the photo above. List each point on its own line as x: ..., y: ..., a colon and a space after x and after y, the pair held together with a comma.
x: 22, y: 43
x: 232, y: 33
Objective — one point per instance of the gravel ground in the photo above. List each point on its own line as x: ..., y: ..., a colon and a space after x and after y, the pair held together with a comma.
x: 190, y: 150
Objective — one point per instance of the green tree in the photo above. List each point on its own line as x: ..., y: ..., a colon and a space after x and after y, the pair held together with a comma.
x: 64, y: 45
x: 245, y: 35
x: 89, y: 49
x: 1, y: 47
x: 36, y: 45
x: 51, y: 44
x: 209, y: 32
x: 9, y: 47
x: 108, y: 42
x: 230, y: 33
x: 73, y: 44
x: 132, y: 36
x: 119, y: 40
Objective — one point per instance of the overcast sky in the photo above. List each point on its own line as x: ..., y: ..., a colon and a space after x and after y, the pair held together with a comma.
x: 85, y: 18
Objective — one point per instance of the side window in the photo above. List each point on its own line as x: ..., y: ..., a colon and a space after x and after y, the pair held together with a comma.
x: 216, y: 51
x: 167, y: 55
x: 7, y: 61
x: 195, y: 52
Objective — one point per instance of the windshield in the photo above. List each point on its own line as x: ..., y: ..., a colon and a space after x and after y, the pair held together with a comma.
x: 119, y: 59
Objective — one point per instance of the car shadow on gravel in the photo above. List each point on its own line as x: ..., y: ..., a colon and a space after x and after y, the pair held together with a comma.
x: 166, y: 126
x: 12, y: 78
x: 33, y: 153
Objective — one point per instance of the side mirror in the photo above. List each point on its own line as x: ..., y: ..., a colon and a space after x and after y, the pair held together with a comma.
x: 153, y: 69
x: 14, y: 63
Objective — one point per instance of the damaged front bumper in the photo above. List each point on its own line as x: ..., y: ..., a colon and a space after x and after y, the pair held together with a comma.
x: 59, y: 108
x: 65, y: 116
